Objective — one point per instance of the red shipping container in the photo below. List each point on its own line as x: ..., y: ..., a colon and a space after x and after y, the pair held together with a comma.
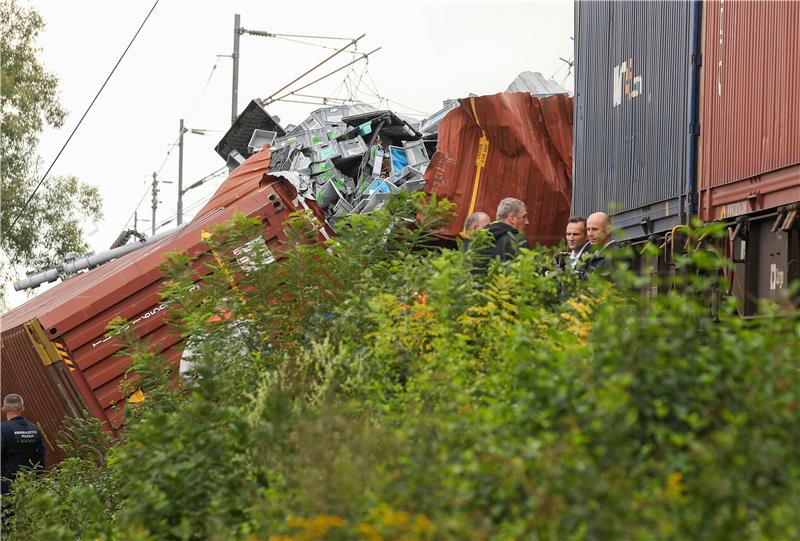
x: 55, y: 351
x: 750, y: 105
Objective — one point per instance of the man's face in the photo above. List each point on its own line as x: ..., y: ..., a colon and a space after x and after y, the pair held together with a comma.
x: 518, y: 220
x: 576, y: 235
x: 597, y: 231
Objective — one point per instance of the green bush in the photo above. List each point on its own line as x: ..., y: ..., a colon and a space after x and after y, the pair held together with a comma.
x: 375, y: 387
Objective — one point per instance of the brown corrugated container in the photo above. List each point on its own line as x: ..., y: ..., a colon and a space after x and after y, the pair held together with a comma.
x: 49, y: 393
x: 73, y: 316
x: 529, y: 156
x: 750, y: 106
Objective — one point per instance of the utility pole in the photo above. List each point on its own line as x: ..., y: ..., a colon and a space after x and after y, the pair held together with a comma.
x: 154, y: 204
x: 237, y: 31
x: 180, y: 175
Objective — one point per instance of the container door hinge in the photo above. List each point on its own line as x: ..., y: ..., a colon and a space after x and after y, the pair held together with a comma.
x: 697, y: 59
x: 693, y: 203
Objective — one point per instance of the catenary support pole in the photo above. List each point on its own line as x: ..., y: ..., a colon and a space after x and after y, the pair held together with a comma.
x: 154, y: 203
x: 180, y: 175
x: 237, y: 31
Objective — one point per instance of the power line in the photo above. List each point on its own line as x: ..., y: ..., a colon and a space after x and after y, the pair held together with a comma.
x: 25, y: 206
x: 214, y: 174
x: 172, y: 146
x: 361, y: 78
x: 311, y: 44
x: 272, y: 99
x: 338, y: 51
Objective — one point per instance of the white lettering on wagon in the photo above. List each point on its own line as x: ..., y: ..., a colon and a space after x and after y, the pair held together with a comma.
x: 625, y: 82
x: 735, y: 209
x: 775, y: 278
x: 147, y: 315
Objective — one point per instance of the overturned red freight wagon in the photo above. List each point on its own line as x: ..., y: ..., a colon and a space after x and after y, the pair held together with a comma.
x: 55, y: 351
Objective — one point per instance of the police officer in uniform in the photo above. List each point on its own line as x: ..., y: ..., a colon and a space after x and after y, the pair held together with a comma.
x: 22, y: 445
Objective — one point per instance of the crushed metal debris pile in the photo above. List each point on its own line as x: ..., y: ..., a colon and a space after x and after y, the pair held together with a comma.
x: 348, y: 158
x: 351, y: 158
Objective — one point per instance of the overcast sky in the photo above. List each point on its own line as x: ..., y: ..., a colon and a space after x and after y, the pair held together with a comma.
x: 431, y: 51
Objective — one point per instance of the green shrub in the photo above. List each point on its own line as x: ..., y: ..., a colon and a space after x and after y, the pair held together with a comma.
x: 376, y: 388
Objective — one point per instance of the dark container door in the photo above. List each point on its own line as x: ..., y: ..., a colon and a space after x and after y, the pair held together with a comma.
x: 636, y: 112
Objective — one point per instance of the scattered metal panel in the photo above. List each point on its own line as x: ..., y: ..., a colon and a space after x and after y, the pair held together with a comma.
x: 750, y: 137
x: 529, y: 156
x: 254, y: 117
x: 430, y: 125
x: 633, y: 101
x: 536, y: 84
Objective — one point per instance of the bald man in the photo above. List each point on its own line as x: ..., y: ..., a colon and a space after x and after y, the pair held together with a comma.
x: 474, y: 222
x: 598, y: 231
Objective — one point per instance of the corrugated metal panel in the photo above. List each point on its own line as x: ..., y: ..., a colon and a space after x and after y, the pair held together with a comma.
x: 750, y: 136
x: 633, y: 100
x: 78, y: 311
x: 529, y: 157
x: 48, y: 396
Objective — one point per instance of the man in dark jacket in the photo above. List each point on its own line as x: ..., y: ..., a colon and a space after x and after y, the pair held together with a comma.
x: 512, y: 217
x: 598, y: 230
x: 22, y: 445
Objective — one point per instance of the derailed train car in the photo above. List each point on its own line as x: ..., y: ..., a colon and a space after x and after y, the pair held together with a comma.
x: 692, y: 109
x: 55, y: 351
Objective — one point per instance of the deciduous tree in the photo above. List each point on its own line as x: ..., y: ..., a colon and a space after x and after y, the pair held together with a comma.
x: 50, y: 226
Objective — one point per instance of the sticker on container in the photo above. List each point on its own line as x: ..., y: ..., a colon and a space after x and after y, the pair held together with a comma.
x: 245, y: 253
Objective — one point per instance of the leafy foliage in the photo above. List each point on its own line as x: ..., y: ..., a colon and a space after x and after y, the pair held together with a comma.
x: 49, y: 229
x: 376, y: 387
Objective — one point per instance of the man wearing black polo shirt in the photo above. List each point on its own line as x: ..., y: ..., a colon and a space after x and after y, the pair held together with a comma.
x: 22, y: 445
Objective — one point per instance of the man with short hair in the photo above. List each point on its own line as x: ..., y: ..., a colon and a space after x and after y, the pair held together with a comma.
x: 22, y: 445
x: 576, y: 241
x: 512, y: 217
x: 598, y: 230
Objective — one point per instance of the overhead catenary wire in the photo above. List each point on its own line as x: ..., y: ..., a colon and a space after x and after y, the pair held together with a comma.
x: 360, y: 79
x: 41, y: 181
x: 211, y: 176
x: 272, y: 99
x: 302, y: 75
x: 172, y: 145
x: 317, y: 45
x: 266, y: 34
x: 342, y: 84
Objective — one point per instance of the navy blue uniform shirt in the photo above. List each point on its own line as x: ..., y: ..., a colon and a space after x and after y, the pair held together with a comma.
x: 22, y: 446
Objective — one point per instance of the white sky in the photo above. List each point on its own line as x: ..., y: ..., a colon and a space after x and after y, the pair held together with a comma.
x: 431, y: 51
